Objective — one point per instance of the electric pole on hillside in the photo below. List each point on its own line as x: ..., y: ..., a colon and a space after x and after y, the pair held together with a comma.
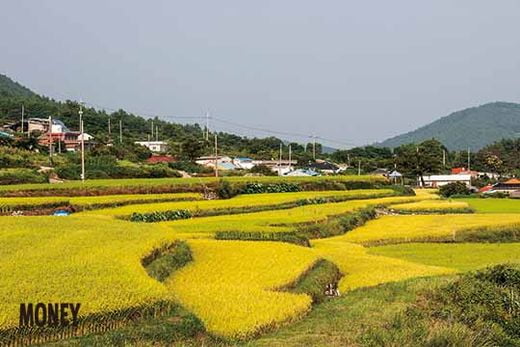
x: 314, y: 147
x: 443, y: 158
x: 359, y: 168
x: 23, y: 111
x: 216, y: 155
x: 82, y: 134
x: 151, y: 130
x: 469, y: 160
x: 109, y: 129
x: 290, y: 157
x: 50, y: 139
x: 156, y: 133
x: 121, y: 130
x: 207, y: 126
x: 280, y: 161
x: 348, y: 159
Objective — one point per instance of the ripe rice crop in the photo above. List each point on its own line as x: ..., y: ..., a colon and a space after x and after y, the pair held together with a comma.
x: 243, y: 201
x: 279, y: 220
x: 232, y: 285
x: 184, y: 183
x: 405, y: 228
x: 89, y: 202
x: 432, y: 206
x: 362, y: 269
x: 94, y: 261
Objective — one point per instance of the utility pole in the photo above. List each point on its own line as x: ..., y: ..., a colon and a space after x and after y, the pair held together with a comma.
x: 280, y: 161
x: 348, y: 159
x: 152, y: 129
x: 216, y: 156
x: 109, y: 128
x: 156, y: 133
x: 82, y: 134
x: 314, y: 147
x: 23, y: 111
x: 121, y: 130
x: 207, y: 126
x: 444, y: 158
x: 359, y: 168
x: 469, y: 160
x: 50, y: 139
x: 290, y: 158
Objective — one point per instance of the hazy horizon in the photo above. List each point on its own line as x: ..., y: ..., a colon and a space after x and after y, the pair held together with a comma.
x: 355, y: 72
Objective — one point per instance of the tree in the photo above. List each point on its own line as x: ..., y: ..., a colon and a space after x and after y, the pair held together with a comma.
x: 192, y: 148
x: 420, y: 160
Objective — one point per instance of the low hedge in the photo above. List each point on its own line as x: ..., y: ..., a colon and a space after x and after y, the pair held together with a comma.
x: 290, y: 237
x: 160, y: 216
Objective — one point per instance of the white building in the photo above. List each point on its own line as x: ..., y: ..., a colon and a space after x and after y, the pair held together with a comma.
x: 434, y: 181
x: 243, y: 163
x: 154, y: 146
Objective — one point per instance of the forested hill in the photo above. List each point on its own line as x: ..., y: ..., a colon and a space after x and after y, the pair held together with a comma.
x: 473, y: 127
x: 8, y: 88
x: 135, y: 127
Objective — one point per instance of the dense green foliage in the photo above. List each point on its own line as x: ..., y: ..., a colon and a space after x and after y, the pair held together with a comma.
x: 15, y: 176
x: 161, y: 262
x: 316, y: 280
x: 454, y: 188
x: 472, y: 128
x: 479, y: 309
x: 160, y: 216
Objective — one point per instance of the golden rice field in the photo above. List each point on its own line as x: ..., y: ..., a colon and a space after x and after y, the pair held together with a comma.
x: 280, y: 220
x: 235, y: 287
x: 91, y: 201
x: 246, y: 200
x: 432, y: 206
x: 407, y: 228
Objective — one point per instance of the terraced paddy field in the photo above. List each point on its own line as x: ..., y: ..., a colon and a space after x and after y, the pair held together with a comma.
x: 190, y: 286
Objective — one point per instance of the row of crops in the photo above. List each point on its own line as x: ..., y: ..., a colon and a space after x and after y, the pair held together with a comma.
x: 237, y: 288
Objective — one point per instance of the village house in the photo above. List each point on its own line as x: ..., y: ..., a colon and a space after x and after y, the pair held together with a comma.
x: 511, y: 187
x: 325, y: 167
x: 243, y: 163
x: 435, y: 181
x: 154, y: 146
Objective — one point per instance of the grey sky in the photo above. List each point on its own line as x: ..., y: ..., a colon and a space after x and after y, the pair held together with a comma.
x: 357, y: 71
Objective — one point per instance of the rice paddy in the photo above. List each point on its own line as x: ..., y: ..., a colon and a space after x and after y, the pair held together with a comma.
x: 235, y: 287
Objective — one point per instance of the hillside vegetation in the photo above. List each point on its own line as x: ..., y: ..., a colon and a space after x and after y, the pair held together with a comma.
x: 484, y: 124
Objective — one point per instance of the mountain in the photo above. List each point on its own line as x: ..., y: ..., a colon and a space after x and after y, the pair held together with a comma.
x: 10, y: 88
x: 473, y: 127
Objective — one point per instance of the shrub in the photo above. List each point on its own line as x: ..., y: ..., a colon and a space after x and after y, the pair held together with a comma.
x: 290, y: 237
x: 263, y: 170
x: 258, y: 188
x: 225, y: 190
x: 17, y: 176
x: 161, y: 262
x: 454, y: 188
x: 160, y: 216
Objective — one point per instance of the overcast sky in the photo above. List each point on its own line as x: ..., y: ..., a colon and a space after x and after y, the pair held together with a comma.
x: 355, y: 71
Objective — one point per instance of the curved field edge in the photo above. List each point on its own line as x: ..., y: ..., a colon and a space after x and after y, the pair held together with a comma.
x: 173, y: 185
x: 159, y: 263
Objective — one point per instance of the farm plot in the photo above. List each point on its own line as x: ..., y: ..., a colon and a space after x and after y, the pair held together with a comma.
x: 279, y: 220
x: 399, y: 229
x: 490, y: 205
x: 244, y: 201
x: 89, y: 202
x: 433, y: 206
x: 233, y: 286
x: 171, y: 185
x: 461, y: 256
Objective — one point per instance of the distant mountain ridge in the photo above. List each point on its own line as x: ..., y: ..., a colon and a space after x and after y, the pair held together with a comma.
x: 472, y: 128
